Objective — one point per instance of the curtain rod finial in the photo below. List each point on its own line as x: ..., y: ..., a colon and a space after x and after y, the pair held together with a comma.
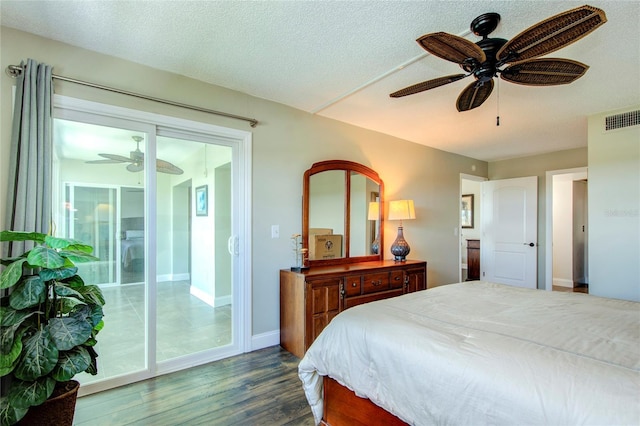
x: 13, y: 70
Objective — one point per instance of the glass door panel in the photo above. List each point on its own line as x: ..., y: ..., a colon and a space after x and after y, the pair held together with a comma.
x: 194, y: 287
x: 100, y: 190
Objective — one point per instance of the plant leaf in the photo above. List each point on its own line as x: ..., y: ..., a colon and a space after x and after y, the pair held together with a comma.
x: 7, y: 337
x: 64, y: 290
x: 69, y: 304
x: 29, y: 292
x: 45, y: 257
x: 39, y: 357
x: 12, y: 273
x: 57, y: 242
x: 58, y: 274
x: 9, y: 414
x: 95, y: 318
x: 68, y: 332
x: 79, y: 246
x: 71, y: 363
x: 74, y: 281
x: 10, y: 324
x: 24, y: 394
x: 9, y: 316
x: 78, y: 256
x: 9, y: 360
x: 22, y: 236
x: 92, y: 294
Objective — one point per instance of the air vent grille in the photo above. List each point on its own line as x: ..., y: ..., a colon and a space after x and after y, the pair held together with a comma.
x: 626, y: 119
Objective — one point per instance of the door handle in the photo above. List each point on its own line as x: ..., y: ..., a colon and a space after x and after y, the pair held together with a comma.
x: 530, y: 244
x: 232, y: 245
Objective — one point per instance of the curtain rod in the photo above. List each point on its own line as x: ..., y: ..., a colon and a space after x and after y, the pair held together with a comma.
x: 14, y: 70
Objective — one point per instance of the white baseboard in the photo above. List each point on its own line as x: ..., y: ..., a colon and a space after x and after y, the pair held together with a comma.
x: 265, y: 340
x: 563, y: 282
x: 223, y: 300
x: 205, y: 297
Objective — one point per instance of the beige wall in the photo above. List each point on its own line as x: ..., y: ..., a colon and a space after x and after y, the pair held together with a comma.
x: 285, y: 144
x: 538, y: 165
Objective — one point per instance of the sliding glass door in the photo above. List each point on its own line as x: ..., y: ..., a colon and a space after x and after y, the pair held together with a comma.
x: 157, y: 204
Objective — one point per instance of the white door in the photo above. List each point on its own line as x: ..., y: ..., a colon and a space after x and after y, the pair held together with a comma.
x: 509, y: 231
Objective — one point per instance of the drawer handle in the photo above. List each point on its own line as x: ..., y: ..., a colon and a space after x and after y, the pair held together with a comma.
x: 397, y: 278
x: 354, y: 284
x: 376, y: 283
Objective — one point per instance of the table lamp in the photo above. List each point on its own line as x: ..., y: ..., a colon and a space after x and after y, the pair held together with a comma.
x: 401, y: 210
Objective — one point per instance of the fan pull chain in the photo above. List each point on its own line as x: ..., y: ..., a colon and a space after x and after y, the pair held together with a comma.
x: 498, y: 105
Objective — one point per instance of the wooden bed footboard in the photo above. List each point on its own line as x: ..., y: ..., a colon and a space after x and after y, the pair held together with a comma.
x: 342, y: 407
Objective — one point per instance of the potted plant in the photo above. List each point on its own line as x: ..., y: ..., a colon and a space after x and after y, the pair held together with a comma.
x: 49, y: 320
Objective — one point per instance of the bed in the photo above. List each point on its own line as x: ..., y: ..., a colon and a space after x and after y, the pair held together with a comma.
x: 478, y: 353
x: 132, y: 243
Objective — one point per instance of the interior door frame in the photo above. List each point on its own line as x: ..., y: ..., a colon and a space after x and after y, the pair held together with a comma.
x: 87, y: 111
x: 548, y: 250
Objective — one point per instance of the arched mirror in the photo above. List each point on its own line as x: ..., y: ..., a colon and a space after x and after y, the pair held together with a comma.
x: 342, y: 213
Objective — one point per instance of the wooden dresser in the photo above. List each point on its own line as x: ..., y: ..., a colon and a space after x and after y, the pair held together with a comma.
x: 310, y: 299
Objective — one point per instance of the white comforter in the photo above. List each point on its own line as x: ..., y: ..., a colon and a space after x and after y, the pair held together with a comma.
x: 481, y: 353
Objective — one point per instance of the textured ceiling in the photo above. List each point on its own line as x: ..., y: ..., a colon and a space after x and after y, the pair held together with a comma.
x: 341, y: 59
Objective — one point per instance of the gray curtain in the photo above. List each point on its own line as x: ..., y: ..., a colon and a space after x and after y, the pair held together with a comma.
x: 29, y: 193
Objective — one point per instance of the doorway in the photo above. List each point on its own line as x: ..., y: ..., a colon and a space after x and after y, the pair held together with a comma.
x: 567, y: 230
x: 470, y: 225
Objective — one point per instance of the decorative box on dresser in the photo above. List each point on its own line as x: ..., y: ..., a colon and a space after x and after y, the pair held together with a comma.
x: 310, y: 299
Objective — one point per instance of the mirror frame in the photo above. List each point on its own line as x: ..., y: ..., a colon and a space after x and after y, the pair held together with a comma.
x: 348, y: 167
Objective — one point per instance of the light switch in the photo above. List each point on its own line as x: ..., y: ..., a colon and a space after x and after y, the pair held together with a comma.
x: 275, y: 231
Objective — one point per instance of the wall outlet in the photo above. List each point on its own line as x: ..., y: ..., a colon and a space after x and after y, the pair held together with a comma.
x: 275, y: 231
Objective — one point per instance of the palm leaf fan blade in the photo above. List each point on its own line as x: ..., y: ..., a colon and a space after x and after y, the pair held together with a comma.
x: 552, y: 34
x: 427, y: 85
x: 544, y: 72
x: 167, y: 167
x: 474, y: 95
x: 116, y: 157
x: 451, y: 47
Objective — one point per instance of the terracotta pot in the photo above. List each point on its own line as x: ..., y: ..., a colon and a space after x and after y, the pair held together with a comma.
x: 58, y: 410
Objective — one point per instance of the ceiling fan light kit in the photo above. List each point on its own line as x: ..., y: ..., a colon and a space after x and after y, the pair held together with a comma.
x: 136, y: 160
x: 485, y: 59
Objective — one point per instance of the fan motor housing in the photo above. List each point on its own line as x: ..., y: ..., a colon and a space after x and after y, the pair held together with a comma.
x: 487, y: 70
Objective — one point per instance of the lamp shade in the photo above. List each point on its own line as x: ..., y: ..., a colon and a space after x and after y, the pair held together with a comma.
x: 374, y: 210
x: 401, y: 210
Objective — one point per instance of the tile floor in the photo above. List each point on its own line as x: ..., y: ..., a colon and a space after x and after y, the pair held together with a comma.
x: 185, y: 325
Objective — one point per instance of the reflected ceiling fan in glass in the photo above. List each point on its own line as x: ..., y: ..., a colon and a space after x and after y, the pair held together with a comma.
x: 136, y: 161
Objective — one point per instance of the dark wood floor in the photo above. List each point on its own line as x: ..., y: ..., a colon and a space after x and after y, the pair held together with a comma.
x: 579, y: 288
x: 258, y: 388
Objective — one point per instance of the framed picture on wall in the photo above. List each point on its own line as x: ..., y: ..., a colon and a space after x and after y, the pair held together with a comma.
x: 467, y: 211
x: 202, y: 201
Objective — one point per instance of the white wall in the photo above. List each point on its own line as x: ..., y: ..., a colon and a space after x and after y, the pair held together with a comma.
x: 562, y: 233
x: 614, y: 209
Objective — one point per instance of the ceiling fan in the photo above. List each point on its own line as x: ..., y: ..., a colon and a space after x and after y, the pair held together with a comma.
x: 485, y: 59
x: 136, y: 160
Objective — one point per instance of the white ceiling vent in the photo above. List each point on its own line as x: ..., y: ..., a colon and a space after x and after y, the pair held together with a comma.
x: 619, y: 121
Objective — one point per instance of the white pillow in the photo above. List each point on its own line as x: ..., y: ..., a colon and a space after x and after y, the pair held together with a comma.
x: 134, y: 235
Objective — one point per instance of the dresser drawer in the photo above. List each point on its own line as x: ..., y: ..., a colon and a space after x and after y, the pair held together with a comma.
x: 372, y: 283
x: 352, y: 285
x: 397, y: 279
